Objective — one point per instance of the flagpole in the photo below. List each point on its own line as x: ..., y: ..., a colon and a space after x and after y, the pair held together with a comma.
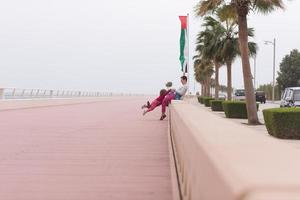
x: 188, y: 44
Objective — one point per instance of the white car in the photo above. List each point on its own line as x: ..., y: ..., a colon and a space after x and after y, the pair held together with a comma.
x: 239, y: 95
x: 221, y: 95
x: 290, y: 97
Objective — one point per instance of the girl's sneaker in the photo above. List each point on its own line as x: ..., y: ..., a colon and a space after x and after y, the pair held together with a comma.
x: 163, y: 116
x: 148, y: 105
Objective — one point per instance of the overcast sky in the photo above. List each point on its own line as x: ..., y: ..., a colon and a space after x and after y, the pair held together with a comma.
x: 116, y: 45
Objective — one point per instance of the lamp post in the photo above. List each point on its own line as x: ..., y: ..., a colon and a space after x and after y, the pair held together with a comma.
x: 274, y: 53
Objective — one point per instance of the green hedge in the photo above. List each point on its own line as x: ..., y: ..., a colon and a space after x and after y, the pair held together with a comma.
x: 200, y: 100
x: 283, y: 123
x: 236, y: 109
x: 206, y: 101
x: 216, y: 105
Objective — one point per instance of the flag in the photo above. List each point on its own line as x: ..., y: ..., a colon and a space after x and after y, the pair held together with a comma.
x: 183, y: 44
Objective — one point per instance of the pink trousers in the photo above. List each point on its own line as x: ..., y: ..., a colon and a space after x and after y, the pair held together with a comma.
x: 166, y: 102
x: 153, y: 105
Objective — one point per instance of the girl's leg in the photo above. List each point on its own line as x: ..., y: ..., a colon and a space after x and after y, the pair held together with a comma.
x: 166, y: 102
x: 147, y: 105
x: 153, y: 105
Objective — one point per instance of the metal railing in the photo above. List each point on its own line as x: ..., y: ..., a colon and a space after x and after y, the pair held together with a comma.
x: 19, y: 93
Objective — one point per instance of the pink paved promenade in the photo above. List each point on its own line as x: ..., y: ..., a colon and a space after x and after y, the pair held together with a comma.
x: 94, y: 151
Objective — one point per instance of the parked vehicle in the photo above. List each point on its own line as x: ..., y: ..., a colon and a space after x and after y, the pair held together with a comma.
x: 239, y: 95
x: 260, y: 96
x: 221, y: 95
x: 290, y: 97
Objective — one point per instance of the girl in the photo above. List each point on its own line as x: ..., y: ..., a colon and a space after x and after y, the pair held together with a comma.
x: 156, y: 102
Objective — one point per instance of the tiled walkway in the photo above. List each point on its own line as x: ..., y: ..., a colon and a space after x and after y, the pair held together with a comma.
x: 93, y: 151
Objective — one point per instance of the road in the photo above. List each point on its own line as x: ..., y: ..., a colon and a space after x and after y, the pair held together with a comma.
x: 266, y: 106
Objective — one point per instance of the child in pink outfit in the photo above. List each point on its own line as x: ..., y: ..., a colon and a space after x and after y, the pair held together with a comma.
x: 157, y: 102
x: 174, y: 95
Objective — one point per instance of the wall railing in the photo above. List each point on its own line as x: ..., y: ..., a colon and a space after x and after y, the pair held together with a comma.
x: 20, y: 93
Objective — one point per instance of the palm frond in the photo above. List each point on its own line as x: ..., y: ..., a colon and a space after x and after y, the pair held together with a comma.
x: 267, y: 6
x: 207, y: 6
x: 253, y: 48
x: 251, y: 32
x: 227, y: 13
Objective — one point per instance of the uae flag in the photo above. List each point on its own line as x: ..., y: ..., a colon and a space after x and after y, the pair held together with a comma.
x: 183, y: 44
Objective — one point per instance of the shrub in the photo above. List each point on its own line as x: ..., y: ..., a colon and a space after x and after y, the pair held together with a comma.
x: 236, y: 109
x: 216, y: 105
x: 206, y: 101
x: 283, y: 123
x: 200, y: 99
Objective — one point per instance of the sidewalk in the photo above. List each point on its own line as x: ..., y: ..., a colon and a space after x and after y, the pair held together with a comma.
x: 195, y: 102
x: 243, y: 122
x: 96, y: 151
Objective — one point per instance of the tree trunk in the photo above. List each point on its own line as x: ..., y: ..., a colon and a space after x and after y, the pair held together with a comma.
x: 217, y: 85
x: 204, y: 88
x: 208, y: 86
x: 248, y: 84
x: 229, y: 80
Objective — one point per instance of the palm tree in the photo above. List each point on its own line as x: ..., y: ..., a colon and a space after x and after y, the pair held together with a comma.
x: 241, y: 9
x: 230, y: 49
x: 203, y: 72
x: 209, y: 46
x: 221, y: 44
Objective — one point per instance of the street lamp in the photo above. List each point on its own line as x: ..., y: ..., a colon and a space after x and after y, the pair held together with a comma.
x: 274, y: 53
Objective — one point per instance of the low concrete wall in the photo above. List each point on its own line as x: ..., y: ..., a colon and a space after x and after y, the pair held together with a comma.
x: 218, y: 159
